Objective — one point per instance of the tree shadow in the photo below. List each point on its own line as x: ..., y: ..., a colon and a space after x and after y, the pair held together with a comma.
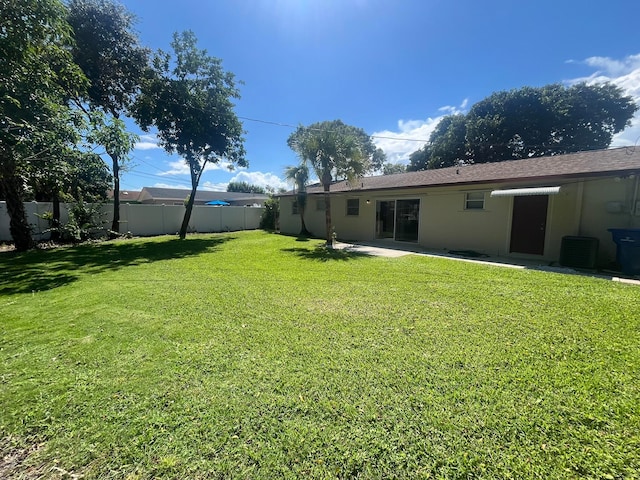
x: 324, y: 254
x: 48, y: 269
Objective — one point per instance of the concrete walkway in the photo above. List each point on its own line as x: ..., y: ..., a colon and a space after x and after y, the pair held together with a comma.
x: 395, y: 251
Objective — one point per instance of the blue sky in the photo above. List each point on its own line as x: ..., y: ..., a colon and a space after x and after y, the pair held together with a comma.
x: 391, y: 67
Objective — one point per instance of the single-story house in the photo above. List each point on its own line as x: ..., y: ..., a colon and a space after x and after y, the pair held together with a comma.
x: 520, y: 208
x: 176, y: 196
x: 126, y: 196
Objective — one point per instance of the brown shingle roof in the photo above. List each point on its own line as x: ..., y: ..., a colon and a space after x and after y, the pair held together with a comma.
x: 125, y: 195
x: 616, y: 161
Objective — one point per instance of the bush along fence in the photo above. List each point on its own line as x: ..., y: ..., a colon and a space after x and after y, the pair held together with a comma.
x: 142, y: 220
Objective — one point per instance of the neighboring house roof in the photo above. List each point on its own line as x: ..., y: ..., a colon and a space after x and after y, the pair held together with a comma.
x: 615, y: 161
x: 125, y: 195
x: 158, y: 194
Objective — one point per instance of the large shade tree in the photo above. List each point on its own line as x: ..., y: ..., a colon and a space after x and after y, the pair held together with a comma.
x: 335, y: 150
x: 108, y: 51
x: 37, y: 78
x: 188, y: 98
x: 529, y: 122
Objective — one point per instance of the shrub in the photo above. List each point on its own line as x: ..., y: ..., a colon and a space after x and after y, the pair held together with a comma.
x: 269, y: 218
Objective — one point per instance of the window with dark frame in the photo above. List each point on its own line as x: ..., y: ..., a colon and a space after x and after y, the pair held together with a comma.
x: 353, y: 207
x: 474, y: 201
x: 294, y: 208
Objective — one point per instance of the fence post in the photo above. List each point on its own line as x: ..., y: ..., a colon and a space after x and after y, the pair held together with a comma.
x: 162, y: 211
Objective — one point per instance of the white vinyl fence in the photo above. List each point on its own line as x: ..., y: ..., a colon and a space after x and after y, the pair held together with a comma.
x: 146, y: 220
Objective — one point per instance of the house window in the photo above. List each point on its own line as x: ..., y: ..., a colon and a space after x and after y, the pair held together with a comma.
x: 474, y: 201
x: 320, y: 204
x: 294, y: 208
x: 353, y: 206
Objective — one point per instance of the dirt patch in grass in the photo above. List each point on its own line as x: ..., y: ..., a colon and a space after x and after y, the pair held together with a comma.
x: 15, y: 464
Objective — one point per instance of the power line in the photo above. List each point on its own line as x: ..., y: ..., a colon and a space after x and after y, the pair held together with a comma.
x: 172, y: 178
x: 287, y: 125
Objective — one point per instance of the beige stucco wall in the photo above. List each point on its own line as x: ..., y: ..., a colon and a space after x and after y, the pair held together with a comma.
x: 608, y: 203
x: 583, y: 207
x: 446, y: 225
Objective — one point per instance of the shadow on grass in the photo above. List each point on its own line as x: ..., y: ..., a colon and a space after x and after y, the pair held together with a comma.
x: 323, y: 254
x: 49, y: 269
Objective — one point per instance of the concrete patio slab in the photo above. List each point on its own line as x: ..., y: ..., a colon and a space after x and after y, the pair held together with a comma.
x: 396, y: 251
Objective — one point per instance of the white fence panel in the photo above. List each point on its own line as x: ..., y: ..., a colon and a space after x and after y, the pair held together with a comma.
x: 205, y: 218
x: 146, y: 220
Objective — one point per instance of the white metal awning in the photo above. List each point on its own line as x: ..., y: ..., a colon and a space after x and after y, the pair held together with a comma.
x: 518, y: 192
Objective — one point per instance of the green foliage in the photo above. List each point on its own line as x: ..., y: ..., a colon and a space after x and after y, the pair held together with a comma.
x: 269, y: 218
x: 37, y: 72
x: 89, y: 178
x: 188, y: 98
x: 37, y: 77
x: 299, y: 176
x: 245, y: 187
x: 74, y: 176
x: 108, y: 51
x: 528, y: 122
x: 333, y: 148
x: 85, y: 222
x: 393, y: 168
x: 294, y: 361
x: 111, y: 133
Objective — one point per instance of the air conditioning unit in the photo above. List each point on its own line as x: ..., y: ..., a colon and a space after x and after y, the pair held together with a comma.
x: 579, y: 252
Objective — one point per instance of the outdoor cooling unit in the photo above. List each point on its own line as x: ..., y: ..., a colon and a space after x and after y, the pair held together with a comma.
x: 579, y: 252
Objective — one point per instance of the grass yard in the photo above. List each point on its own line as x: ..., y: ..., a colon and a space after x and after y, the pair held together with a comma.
x: 253, y: 355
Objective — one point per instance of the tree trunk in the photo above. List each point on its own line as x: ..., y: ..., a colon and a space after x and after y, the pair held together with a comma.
x: 327, y: 215
x: 187, y: 212
x: 302, y: 205
x: 55, y: 220
x: 12, y: 186
x: 115, y: 224
x: 303, y: 227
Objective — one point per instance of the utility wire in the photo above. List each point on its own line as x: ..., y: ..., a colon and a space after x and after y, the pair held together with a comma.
x: 287, y: 125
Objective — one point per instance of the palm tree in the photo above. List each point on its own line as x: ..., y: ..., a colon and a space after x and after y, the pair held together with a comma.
x: 299, y: 176
x: 334, y: 149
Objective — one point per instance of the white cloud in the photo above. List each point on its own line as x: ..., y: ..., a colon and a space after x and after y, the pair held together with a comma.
x: 180, y: 167
x: 612, y: 67
x: 261, y: 179
x: 147, y: 142
x: 210, y: 186
x: 626, y: 74
x: 254, y: 178
x: 411, y: 134
x: 179, y: 186
x: 213, y: 187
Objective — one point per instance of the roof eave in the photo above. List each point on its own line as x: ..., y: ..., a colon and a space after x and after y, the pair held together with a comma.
x: 534, y: 178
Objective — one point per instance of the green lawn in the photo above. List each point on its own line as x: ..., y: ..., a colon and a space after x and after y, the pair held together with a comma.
x: 253, y: 355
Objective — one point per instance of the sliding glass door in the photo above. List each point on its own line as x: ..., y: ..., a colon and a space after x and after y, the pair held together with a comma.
x: 398, y: 219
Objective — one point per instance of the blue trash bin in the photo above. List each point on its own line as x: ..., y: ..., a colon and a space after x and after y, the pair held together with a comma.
x: 627, y: 241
